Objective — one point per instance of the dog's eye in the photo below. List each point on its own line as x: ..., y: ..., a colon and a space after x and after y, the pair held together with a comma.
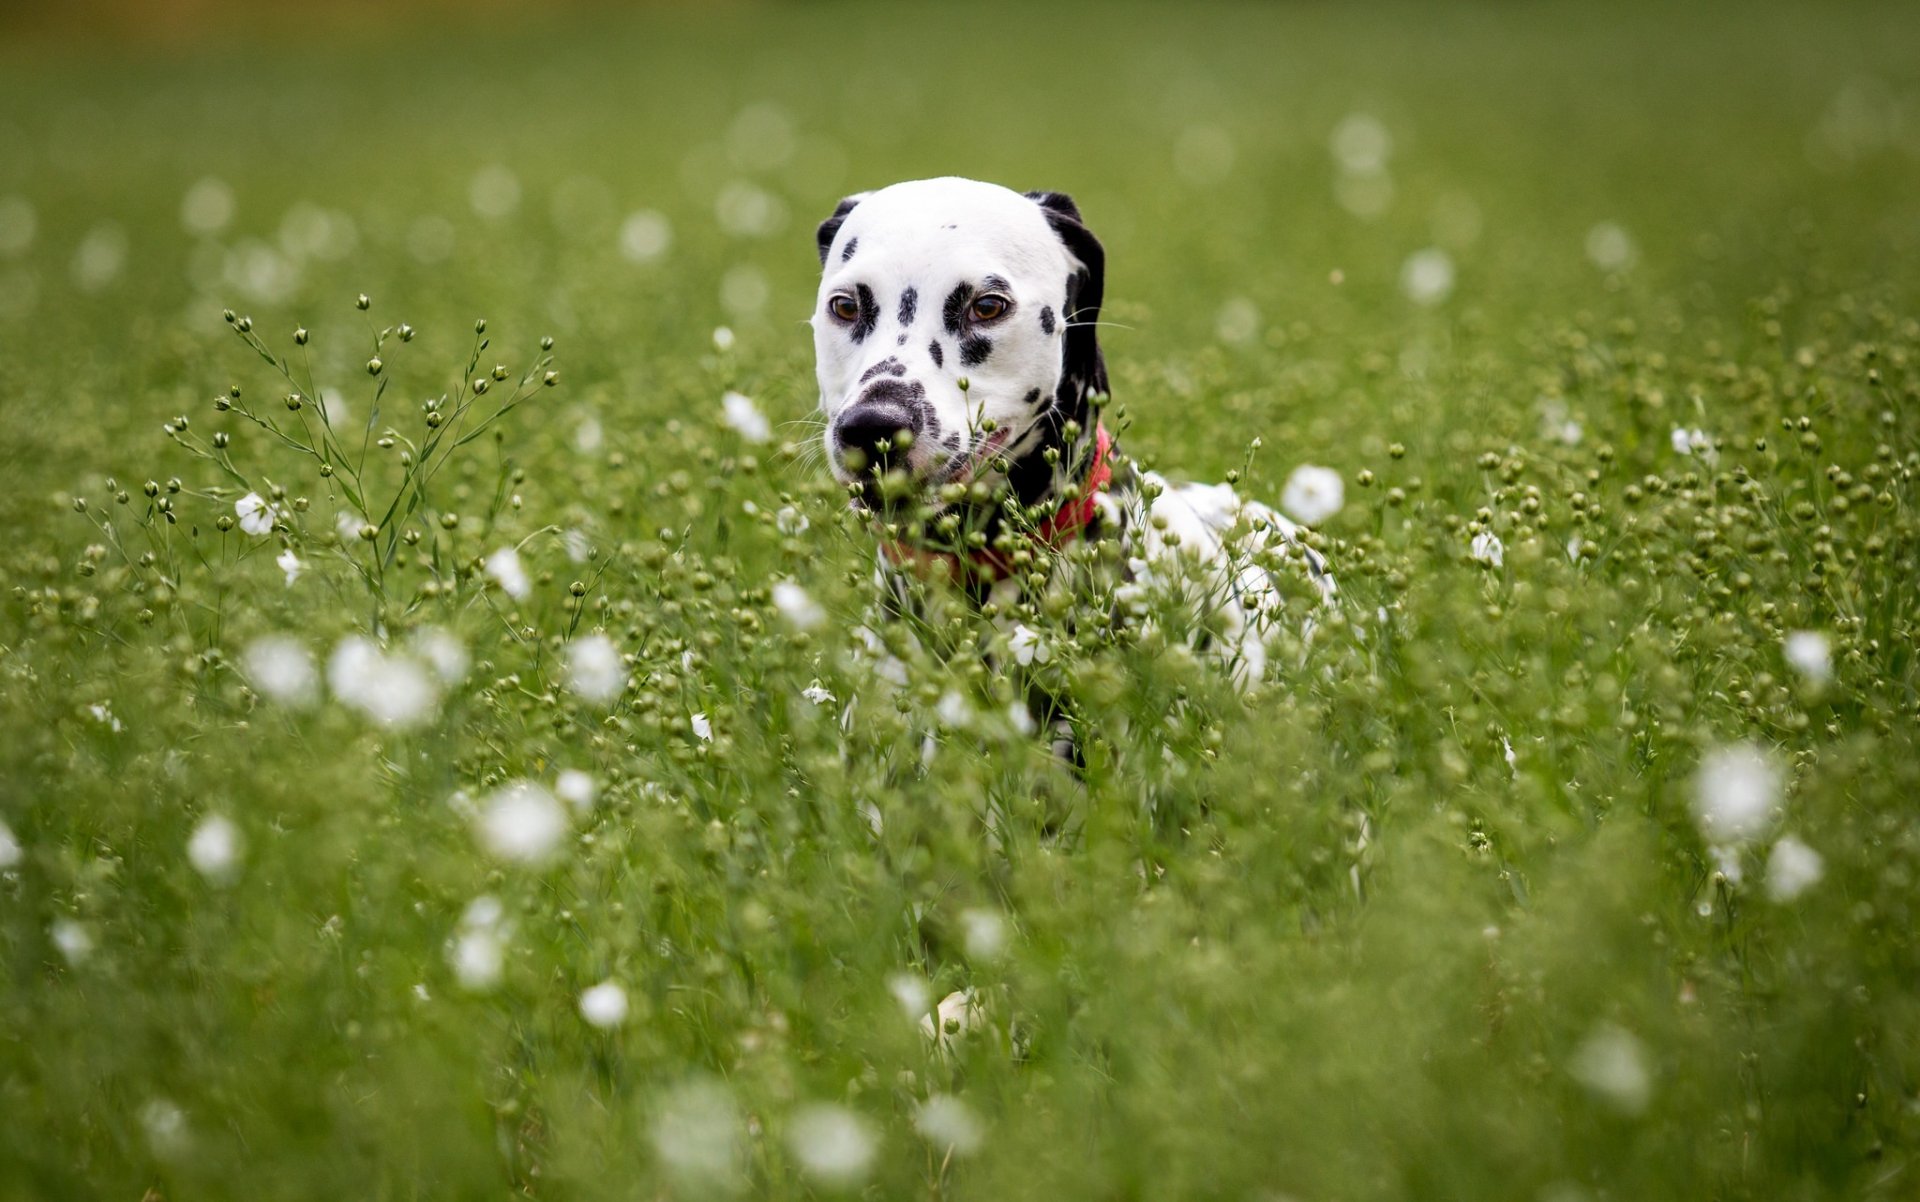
x: 988, y: 307
x: 843, y: 307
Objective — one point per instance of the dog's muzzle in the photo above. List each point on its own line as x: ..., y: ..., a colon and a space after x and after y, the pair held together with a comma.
x: 867, y: 434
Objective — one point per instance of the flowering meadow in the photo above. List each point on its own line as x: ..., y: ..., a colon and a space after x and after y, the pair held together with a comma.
x: 452, y: 746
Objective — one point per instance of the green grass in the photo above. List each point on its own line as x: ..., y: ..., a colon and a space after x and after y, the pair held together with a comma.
x: 1325, y: 942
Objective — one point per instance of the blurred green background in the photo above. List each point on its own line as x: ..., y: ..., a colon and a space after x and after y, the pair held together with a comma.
x: 1354, y: 951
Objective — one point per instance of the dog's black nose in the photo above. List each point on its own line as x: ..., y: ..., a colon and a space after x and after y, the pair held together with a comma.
x: 872, y: 430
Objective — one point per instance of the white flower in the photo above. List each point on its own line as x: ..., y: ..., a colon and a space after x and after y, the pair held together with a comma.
x: 256, y: 516
x: 503, y: 566
x: 1027, y: 646
x: 521, y: 822
x: 818, y: 694
x: 207, y: 207
x: 595, y: 669
x: 1427, y: 276
x: 985, y: 933
x: 282, y: 669
x: 105, y: 717
x: 444, y: 652
x: 910, y: 990
x: 797, y: 606
x: 1810, y: 654
x: 1792, y: 869
x: 1021, y: 719
x: 10, y: 854
x: 834, y: 1145
x: 790, y: 521
x: 291, y: 565
x: 1361, y: 144
x: 214, y: 848
x: 722, y: 338
x: 604, y: 1005
x: 954, y: 710
x: 701, y: 727
x: 74, y: 941
x: 165, y: 1125
x: 698, y: 1134
x: 739, y: 411
x: 1612, y: 1064
x: 477, y: 956
x: 1694, y: 442
x: 950, y: 1124
x: 1734, y: 793
x: 393, y: 690
x: 1313, y: 494
x: 347, y: 526
x: 645, y: 236
x: 578, y: 789
x: 1488, y: 549
x: 1610, y: 247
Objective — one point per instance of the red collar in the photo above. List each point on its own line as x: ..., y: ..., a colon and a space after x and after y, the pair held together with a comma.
x: 991, y: 564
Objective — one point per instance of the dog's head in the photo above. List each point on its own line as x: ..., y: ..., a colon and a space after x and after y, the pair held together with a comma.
x: 931, y: 283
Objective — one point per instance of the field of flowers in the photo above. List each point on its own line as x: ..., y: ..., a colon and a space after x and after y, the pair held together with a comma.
x: 440, y: 754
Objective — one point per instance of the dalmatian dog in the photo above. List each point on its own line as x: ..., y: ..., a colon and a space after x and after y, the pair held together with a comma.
x: 961, y: 382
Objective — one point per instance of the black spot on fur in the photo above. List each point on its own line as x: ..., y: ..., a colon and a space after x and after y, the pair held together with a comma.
x: 939, y: 356
x: 1046, y: 319
x: 909, y: 302
x: 955, y: 308
x: 869, y: 313
x: 974, y: 351
x: 824, y: 235
x: 852, y: 245
x: 886, y: 367
x: 1033, y: 398
x: 900, y: 341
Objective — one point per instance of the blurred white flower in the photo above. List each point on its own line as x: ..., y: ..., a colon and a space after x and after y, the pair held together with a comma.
x: 744, y: 290
x: 588, y: 435
x: 910, y: 990
x: 954, y: 710
x: 442, y: 651
x: 747, y: 210
x: 604, y: 1005
x: 949, y: 1124
x: 701, y: 727
x: 739, y: 412
x: 393, y: 690
x: 790, y: 521
x: 645, y: 236
x: 165, y: 1125
x: 1612, y: 1064
x: 1792, y: 869
x: 818, y: 694
x: 1810, y: 655
x: 834, y: 1145
x: 698, y: 1135
x: 1427, y: 276
x: 100, y: 258
x: 578, y: 789
x: 10, y: 854
x: 722, y: 338
x: 291, y: 565
x: 1027, y: 645
x: 1238, y: 321
x: 1360, y: 144
x: 73, y: 940
x: 521, y: 822
x: 1488, y: 549
x: 985, y: 933
x: 1610, y: 247
x: 1694, y: 442
x: 1313, y: 494
x: 797, y: 606
x: 1021, y: 719
x: 495, y: 191
x: 503, y: 567
x: 281, y: 668
x: 595, y: 669
x: 1734, y: 793
x: 207, y: 207
x: 255, y: 515
x: 214, y: 848
x: 477, y: 956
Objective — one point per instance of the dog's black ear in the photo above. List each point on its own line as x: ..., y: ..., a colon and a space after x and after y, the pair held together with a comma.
x: 831, y: 226
x: 1084, y: 367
